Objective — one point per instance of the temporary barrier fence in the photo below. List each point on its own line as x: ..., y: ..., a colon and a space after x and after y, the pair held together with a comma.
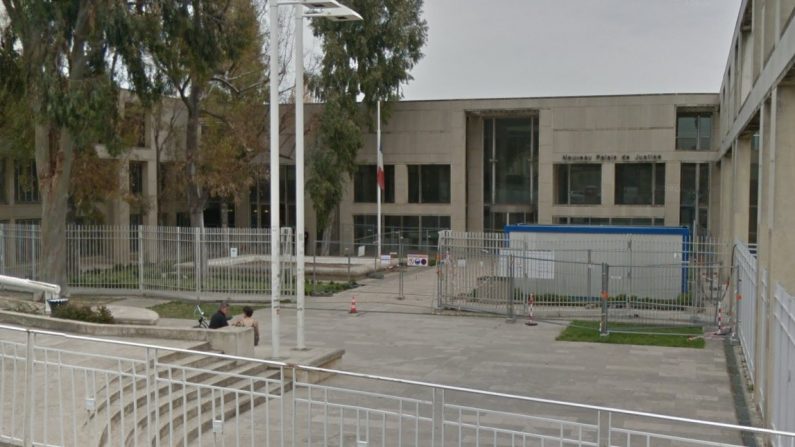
x: 58, y: 389
x: 684, y: 282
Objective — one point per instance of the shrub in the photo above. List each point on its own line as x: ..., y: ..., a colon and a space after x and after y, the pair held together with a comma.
x: 84, y: 313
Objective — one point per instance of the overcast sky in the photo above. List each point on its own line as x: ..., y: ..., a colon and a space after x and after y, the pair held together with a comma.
x: 518, y: 48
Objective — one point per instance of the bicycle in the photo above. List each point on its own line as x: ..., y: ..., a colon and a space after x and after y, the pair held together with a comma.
x: 203, y: 322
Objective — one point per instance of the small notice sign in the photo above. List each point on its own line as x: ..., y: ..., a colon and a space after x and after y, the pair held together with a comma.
x: 233, y: 252
x: 386, y: 260
x: 360, y: 251
x: 417, y: 260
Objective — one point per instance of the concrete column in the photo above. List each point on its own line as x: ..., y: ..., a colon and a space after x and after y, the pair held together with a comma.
x: 715, y: 176
x: 474, y: 173
x: 608, y: 184
x: 673, y: 174
x: 458, y: 173
x: 781, y: 214
x: 741, y: 182
x: 546, y: 162
x: 726, y: 190
x: 401, y: 184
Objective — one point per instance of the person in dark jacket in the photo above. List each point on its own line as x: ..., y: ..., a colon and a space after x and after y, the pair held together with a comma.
x: 220, y: 318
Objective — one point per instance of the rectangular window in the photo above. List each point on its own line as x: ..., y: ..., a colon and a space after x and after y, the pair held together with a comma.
x: 578, y: 184
x: 640, y: 184
x: 137, y: 177
x: 26, y: 183
x: 365, y: 228
x: 365, y: 184
x: 429, y: 183
x: 694, y: 131
x: 694, y: 196
x: 260, y: 198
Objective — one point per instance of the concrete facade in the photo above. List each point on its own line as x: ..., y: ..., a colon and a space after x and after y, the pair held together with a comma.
x: 758, y: 148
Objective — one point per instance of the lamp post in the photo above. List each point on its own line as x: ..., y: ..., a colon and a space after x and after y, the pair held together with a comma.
x: 317, y: 8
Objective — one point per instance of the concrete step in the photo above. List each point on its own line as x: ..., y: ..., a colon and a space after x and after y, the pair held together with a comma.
x: 230, y: 377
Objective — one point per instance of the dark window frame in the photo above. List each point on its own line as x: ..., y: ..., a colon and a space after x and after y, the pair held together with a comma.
x: 567, y: 167
x: 701, y: 133
x: 418, y: 188
x: 657, y: 185
x: 26, y: 184
x: 362, y: 194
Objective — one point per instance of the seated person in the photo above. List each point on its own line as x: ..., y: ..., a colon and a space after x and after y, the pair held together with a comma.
x: 247, y: 320
x: 220, y: 318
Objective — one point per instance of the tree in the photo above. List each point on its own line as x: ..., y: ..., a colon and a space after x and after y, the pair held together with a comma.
x: 61, y: 67
x: 207, y: 53
x: 368, y: 59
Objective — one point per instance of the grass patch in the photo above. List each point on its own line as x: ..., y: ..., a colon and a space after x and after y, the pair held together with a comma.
x: 328, y: 288
x: 186, y: 310
x: 588, y: 331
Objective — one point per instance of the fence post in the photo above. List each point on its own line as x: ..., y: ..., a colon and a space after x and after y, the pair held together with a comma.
x: 179, y: 261
x: 29, y: 400
x: 141, y: 258
x: 603, y: 421
x: 400, y: 267
x: 34, y: 234
x: 2, y: 250
x: 348, y: 254
x: 314, y: 268
x: 588, y: 273
x: 737, y: 297
x: 510, y: 272
x: 605, y: 278
x: 197, y: 259
x: 438, y: 418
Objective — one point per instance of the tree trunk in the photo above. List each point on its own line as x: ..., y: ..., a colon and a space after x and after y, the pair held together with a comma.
x: 54, y: 165
x: 327, y: 233
x: 195, y: 195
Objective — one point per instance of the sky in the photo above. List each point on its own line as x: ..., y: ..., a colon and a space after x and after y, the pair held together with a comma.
x: 523, y: 48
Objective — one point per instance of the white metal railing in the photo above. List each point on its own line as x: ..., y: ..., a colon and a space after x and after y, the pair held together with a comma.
x: 60, y: 389
x: 783, y: 385
x: 746, y: 304
x: 155, y: 259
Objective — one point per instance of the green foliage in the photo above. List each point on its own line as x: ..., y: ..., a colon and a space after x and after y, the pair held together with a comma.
x: 328, y: 288
x: 634, y: 334
x: 368, y: 59
x: 86, y: 314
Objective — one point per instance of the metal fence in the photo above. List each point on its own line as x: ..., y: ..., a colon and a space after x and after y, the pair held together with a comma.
x: 59, y: 389
x: 163, y: 259
x: 783, y: 338
x: 650, y: 282
x: 747, y: 323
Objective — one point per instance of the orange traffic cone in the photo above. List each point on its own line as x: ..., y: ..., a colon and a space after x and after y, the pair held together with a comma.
x: 353, y: 305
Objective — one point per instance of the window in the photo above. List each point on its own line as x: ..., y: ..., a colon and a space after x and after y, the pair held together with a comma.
x: 26, y: 184
x: 260, y: 199
x: 495, y: 221
x: 510, y: 160
x: 694, y: 131
x: 365, y: 184
x: 694, y: 196
x: 3, y: 198
x: 429, y: 183
x: 137, y: 177
x: 640, y: 184
x: 579, y: 184
x: 417, y: 231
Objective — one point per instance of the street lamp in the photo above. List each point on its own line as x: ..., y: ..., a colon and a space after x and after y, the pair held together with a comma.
x: 317, y: 8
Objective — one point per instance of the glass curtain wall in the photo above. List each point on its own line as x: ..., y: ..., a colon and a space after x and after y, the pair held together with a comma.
x: 510, y: 171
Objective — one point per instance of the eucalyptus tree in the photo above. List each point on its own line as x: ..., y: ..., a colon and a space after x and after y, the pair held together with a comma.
x: 362, y: 63
x: 61, y: 67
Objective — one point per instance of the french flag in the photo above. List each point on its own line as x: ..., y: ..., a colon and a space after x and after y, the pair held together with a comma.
x: 379, y: 173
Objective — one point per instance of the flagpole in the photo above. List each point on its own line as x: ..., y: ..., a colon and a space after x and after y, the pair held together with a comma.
x: 377, y: 186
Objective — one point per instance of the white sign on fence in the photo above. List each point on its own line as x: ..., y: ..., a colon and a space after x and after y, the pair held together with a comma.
x: 386, y: 259
x: 417, y: 260
x: 233, y: 252
x: 360, y: 251
x: 537, y: 264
